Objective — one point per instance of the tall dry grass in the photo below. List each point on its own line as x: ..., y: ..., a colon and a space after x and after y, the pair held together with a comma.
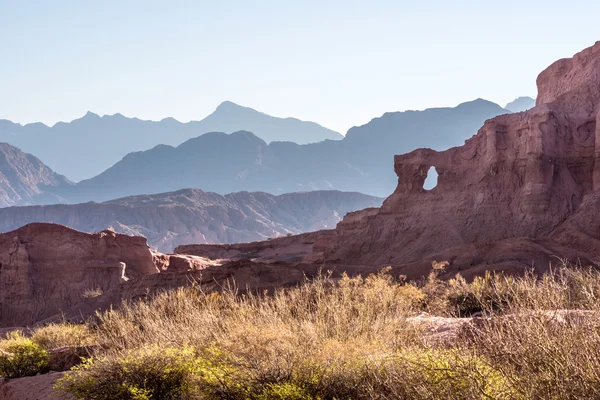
x: 354, y: 338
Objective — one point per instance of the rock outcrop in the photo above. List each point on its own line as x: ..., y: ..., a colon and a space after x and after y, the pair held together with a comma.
x: 524, y: 190
x: 194, y: 216
x: 46, y: 269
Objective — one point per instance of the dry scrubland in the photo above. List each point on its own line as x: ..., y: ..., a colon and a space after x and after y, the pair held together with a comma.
x: 352, y: 338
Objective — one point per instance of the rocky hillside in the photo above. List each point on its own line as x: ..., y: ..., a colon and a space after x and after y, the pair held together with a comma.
x: 193, y: 216
x: 361, y: 162
x: 24, y: 179
x: 87, y: 146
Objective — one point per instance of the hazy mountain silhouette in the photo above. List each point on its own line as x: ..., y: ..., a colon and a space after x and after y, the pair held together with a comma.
x: 223, y: 163
x: 89, y: 145
x: 24, y: 179
x: 230, y: 117
x: 520, y: 104
x: 194, y: 216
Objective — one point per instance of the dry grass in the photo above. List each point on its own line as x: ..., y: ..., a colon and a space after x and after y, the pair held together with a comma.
x: 350, y: 339
x: 59, y: 335
x: 92, y: 293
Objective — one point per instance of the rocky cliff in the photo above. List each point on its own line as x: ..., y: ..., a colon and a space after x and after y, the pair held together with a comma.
x: 524, y: 189
x: 50, y: 271
x: 45, y: 269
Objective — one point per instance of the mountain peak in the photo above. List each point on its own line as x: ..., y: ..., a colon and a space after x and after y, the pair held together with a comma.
x: 90, y: 114
x: 522, y: 103
x: 478, y: 102
x: 230, y: 106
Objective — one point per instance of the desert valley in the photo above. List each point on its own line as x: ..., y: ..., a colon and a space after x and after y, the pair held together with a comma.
x: 447, y: 253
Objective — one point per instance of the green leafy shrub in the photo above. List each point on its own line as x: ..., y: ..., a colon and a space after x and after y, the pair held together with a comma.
x: 284, y: 391
x: 20, y: 356
x: 150, y: 373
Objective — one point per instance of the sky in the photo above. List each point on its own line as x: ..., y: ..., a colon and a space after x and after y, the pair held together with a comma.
x: 338, y: 63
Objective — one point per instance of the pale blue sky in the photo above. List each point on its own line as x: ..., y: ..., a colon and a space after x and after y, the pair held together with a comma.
x: 339, y: 63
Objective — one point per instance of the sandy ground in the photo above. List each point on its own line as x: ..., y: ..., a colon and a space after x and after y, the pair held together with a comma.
x: 31, y: 388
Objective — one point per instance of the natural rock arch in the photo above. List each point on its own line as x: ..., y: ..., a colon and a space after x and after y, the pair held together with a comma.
x: 431, y: 180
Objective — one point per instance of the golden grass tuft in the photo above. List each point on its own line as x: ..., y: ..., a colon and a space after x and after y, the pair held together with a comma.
x: 63, y: 334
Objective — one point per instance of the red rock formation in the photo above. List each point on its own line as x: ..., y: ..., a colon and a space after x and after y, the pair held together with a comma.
x: 180, y: 262
x: 47, y: 268
x: 48, y: 271
x: 522, y: 190
x: 522, y: 175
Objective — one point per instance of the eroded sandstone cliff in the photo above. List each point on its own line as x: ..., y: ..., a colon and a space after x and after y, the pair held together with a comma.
x: 521, y: 192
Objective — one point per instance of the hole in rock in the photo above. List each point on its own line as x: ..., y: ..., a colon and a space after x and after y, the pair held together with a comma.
x: 431, y: 180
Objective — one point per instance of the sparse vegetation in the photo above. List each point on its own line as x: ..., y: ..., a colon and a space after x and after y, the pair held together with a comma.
x: 92, y: 293
x: 20, y: 356
x: 64, y: 334
x: 353, y: 338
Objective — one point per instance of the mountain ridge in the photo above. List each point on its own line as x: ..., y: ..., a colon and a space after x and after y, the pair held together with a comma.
x: 24, y: 179
x: 193, y: 215
x: 241, y: 161
x: 88, y: 145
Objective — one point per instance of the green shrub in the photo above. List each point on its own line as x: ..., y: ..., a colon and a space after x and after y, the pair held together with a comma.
x: 20, y: 356
x: 284, y: 391
x: 150, y: 373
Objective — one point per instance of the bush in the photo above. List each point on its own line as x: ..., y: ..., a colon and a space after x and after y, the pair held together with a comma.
x: 20, y: 356
x: 284, y: 391
x: 150, y: 373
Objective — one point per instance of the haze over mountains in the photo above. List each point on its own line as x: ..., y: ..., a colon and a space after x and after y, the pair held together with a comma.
x: 87, y: 146
x: 224, y: 163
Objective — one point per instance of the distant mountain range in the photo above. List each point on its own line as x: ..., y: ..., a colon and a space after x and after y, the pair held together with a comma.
x: 193, y: 216
x: 241, y: 161
x: 223, y: 163
x: 520, y: 104
x: 89, y: 145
